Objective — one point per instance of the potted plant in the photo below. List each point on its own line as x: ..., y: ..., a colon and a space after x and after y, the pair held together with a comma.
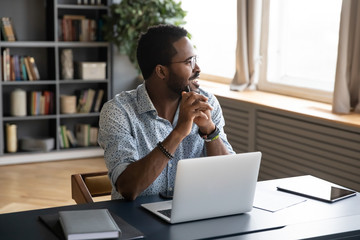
x: 129, y: 18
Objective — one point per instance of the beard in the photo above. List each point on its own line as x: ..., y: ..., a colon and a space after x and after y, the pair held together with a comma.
x: 178, y: 84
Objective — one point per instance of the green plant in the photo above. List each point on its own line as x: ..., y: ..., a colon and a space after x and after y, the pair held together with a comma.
x: 129, y: 18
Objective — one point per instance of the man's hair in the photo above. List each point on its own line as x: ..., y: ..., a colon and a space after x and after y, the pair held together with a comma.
x: 156, y: 47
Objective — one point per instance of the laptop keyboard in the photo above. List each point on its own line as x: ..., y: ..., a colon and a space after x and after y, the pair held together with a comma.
x: 166, y: 212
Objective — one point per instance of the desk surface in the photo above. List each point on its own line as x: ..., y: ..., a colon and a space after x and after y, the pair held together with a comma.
x: 309, y: 219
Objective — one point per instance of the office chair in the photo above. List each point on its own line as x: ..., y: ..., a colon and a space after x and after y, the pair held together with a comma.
x: 88, y: 185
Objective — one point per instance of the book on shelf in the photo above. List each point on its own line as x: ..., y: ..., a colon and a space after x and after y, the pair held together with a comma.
x: 7, y: 29
x: 81, y: 99
x: 89, y: 224
x: 28, y: 69
x: 64, y: 137
x: 34, y: 69
x: 72, y: 140
x: 23, y: 69
x: 86, y: 135
x: 94, y: 136
x: 99, y: 98
x: 18, y: 68
x: 16, y: 65
x: 61, y: 142
x: 49, y: 105
x: 77, y: 28
x: 6, y: 62
x: 89, y: 100
x: 82, y: 132
x: 41, y: 103
x: 12, y: 68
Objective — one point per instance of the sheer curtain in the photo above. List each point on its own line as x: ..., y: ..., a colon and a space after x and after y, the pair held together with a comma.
x: 248, y: 43
x: 347, y: 79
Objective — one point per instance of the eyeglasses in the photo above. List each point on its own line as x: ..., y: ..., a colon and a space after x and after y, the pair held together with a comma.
x: 191, y: 60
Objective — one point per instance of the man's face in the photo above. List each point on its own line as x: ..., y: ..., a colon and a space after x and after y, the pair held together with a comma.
x: 180, y: 69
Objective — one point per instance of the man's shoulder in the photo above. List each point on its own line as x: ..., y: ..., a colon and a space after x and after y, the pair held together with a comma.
x: 127, y: 96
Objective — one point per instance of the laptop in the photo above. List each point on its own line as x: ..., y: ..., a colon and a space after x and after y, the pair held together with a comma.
x: 211, y: 187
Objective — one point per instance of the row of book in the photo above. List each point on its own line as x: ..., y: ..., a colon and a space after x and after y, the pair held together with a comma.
x: 89, y: 100
x: 41, y: 103
x: 7, y: 29
x: 89, y: 2
x: 79, y: 28
x: 18, y: 68
x: 85, y: 135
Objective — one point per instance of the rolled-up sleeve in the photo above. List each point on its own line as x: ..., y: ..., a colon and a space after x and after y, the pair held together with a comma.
x: 116, y: 139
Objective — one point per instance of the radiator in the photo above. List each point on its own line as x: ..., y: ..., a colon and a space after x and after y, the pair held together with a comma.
x: 293, y: 146
x: 236, y: 125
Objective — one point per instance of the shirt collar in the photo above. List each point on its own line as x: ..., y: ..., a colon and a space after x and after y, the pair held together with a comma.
x: 144, y: 103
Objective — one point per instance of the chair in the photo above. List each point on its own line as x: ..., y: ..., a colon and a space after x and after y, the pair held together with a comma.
x: 88, y: 185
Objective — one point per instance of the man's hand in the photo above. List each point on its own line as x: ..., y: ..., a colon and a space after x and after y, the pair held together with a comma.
x: 194, y: 108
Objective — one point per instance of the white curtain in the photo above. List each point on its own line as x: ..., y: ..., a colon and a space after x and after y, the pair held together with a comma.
x: 347, y: 80
x: 248, y: 44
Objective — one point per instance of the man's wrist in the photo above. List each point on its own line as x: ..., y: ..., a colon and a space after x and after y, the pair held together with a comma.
x: 211, y: 136
x: 207, y: 131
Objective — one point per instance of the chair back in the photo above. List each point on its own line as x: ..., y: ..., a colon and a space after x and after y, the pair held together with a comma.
x: 85, y: 186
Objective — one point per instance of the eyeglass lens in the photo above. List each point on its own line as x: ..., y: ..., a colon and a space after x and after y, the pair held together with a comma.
x: 193, y: 62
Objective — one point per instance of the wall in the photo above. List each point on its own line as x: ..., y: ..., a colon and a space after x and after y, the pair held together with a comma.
x: 124, y: 73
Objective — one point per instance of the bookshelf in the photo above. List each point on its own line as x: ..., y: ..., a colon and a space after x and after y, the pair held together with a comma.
x: 39, y: 31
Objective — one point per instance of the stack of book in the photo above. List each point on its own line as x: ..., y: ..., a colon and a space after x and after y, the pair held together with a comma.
x: 18, y: 68
x: 89, y: 100
x: 7, y: 29
x: 66, y: 137
x: 86, y: 135
x: 77, y: 28
x: 41, y: 103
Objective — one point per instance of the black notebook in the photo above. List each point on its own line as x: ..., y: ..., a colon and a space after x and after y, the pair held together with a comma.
x: 127, y: 231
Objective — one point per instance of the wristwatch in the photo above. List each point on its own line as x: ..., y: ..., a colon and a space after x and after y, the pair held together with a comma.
x: 211, y: 136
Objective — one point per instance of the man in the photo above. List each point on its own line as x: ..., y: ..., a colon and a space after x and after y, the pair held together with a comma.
x: 146, y: 131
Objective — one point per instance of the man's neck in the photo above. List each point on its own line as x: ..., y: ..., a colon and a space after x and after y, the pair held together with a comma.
x: 164, y: 102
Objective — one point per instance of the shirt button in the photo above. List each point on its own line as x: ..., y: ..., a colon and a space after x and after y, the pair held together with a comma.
x: 170, y: 165
x: 170, y: 189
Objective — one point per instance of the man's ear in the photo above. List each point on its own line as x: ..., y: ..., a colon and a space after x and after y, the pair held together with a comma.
x: 161, y: 71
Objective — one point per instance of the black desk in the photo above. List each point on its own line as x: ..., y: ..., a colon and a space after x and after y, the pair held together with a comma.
x: 310, y: 219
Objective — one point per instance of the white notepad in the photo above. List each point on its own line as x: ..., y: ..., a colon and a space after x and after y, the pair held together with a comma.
x: 88, y: 224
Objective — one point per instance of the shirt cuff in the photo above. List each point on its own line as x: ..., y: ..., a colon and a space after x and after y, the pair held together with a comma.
x: 117, y: 172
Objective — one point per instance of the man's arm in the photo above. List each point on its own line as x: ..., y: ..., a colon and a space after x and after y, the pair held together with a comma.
x: 141, y: 174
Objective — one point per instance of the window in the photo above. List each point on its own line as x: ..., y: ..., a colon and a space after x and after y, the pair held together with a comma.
x: 212, y: 24
x: 299, y: 47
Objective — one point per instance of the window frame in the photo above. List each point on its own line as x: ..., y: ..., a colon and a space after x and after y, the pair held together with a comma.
x: 265, y: 85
